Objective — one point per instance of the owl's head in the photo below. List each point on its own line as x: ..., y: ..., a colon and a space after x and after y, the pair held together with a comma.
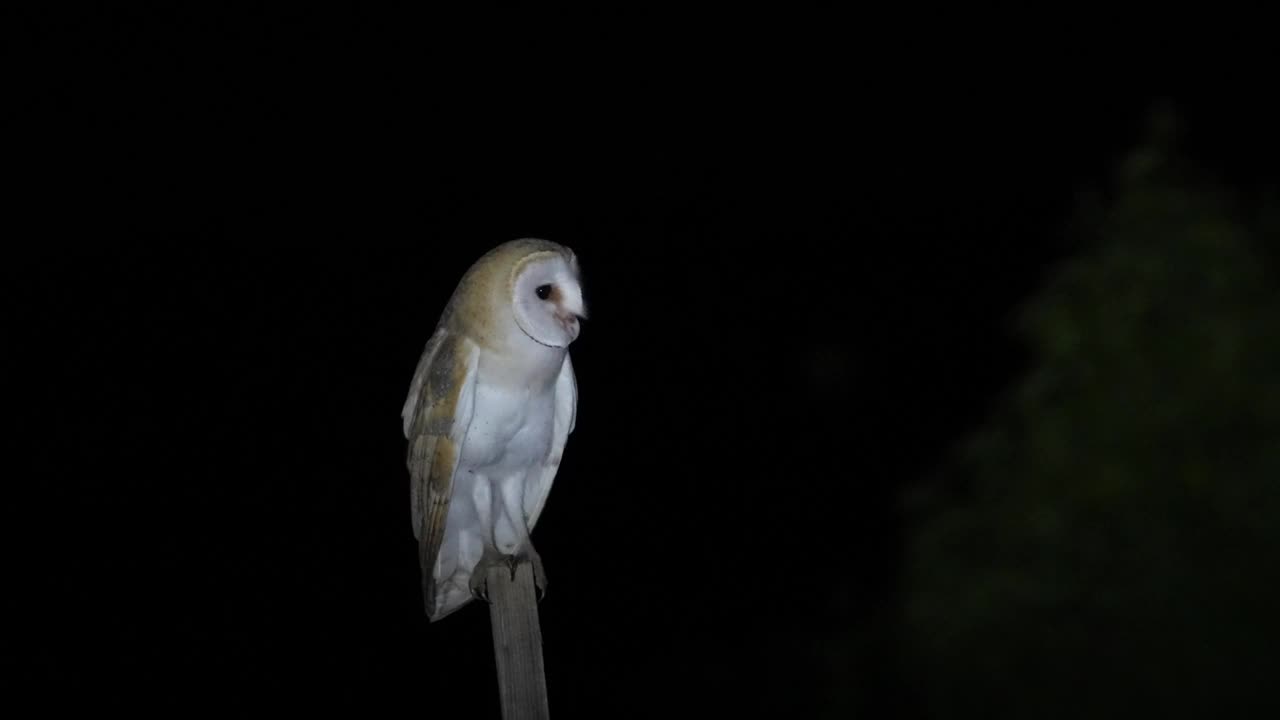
x: 522, y: 290
x: 546, y: 293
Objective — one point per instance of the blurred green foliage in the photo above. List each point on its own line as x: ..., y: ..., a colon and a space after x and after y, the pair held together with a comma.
x: 1115, y: 546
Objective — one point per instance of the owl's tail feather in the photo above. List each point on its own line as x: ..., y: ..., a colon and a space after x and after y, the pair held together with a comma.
x: 453, y: 595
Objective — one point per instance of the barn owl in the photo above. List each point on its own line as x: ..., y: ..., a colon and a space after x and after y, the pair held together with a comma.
x: 490, y: 407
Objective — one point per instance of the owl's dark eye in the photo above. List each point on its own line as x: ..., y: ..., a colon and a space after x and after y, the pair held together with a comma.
x: 543, y: 291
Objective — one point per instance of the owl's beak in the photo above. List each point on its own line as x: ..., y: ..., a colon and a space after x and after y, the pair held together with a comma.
x: 572, y: 311
x: 571, y: 321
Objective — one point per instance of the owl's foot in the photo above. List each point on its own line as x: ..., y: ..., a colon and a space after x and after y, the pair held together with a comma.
x: 535, y: 564
x: 479, y: 581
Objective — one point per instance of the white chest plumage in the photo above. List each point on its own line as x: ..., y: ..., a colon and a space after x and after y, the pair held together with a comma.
x: 512, y: 422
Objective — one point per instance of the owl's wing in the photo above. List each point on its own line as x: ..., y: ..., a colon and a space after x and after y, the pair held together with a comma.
x: 436, y: 416
x: 563, y: 423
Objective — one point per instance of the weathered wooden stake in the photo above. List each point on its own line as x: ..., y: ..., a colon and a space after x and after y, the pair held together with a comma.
x: 517, y: 643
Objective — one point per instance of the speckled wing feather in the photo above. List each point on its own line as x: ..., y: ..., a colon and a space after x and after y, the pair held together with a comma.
x: 436, y: 415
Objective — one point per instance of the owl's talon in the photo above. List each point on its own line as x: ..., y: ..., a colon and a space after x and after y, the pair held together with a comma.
x: 479, y: 585
x: 539, y: 574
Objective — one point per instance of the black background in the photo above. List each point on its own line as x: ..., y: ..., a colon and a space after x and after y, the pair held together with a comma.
x: 800, y: 245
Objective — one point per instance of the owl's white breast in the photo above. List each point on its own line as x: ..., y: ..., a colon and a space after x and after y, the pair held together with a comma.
x: 511, y: 428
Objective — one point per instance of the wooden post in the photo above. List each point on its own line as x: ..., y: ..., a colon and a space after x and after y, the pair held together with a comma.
x: 517, y: 643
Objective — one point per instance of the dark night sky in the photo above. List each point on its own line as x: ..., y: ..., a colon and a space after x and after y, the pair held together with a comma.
x: 799, y: 260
